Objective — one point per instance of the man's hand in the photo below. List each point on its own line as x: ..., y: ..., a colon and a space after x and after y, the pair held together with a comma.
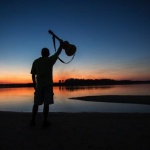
x: 64, y: 44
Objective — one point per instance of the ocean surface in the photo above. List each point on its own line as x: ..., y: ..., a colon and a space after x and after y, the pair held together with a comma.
x: 21, y: 99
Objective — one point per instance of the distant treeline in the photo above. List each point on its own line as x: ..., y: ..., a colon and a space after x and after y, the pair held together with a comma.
x: 81, y: 82
x: 16, y: 85
x: 73, y: 81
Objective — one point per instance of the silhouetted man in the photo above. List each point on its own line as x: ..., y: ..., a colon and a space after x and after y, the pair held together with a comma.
x: 42, y: 77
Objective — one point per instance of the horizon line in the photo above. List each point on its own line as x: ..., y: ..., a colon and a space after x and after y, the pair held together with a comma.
x: 60, y: 81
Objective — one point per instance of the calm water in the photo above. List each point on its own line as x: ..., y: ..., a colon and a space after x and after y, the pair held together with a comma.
x: 21, y: 99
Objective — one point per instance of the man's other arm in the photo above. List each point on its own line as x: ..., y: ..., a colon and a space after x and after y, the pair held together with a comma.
x: 60, y: 48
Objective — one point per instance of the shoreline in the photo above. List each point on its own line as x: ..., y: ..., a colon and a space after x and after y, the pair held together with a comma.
x: 123, y: 82
x: 82, y: 131
x: 128, y: 99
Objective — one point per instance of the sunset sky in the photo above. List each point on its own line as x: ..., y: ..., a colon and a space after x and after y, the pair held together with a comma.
x: 112, y: 38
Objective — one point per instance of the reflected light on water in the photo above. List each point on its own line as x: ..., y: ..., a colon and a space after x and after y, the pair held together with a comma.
x: 21, y: 99
x: 16, y: 94
x: 78, y: 91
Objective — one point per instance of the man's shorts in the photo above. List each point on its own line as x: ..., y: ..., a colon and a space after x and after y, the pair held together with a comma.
x: 44, y: 94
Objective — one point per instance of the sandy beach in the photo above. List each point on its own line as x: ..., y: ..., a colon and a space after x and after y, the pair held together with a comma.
x: 130, y: 99
x: 76, y: 131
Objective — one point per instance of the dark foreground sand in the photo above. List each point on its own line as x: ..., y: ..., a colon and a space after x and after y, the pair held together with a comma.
x: 76, y: 131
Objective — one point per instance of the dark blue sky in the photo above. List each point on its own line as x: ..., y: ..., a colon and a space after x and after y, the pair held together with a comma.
x: 112, y: 37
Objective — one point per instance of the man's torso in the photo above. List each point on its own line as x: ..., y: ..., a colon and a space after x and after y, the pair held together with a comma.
x: 43, y: 68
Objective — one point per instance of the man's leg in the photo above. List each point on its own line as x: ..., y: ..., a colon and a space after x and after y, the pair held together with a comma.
x: 47, y: 102
x: 34, y: 114
x: 45, y: 114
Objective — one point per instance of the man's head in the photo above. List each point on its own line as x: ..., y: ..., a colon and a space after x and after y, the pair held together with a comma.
x: 45, y: 52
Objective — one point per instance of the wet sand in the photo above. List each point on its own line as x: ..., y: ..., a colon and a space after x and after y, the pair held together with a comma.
x: 76, y: 131
x: 130, y: 99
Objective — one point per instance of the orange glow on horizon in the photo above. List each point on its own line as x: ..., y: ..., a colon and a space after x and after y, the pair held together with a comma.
x: 18, y: 80
x: 62, y: 77
x: 24, y: 81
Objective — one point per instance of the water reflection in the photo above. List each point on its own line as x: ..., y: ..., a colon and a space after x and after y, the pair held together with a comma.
x: 21, y: 99
x: 77, y: 88
x: 142, y: 89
